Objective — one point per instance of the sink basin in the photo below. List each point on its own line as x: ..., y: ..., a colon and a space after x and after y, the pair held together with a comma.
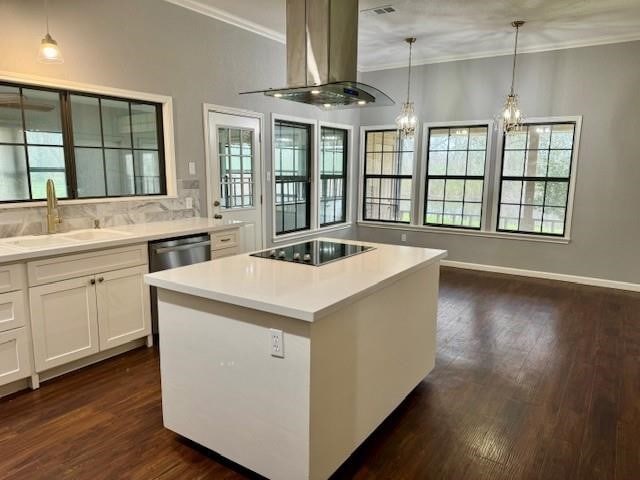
x: 40, y: 242
x: 94, y: 234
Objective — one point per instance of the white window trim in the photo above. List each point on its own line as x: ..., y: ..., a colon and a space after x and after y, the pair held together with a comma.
x: 493, y: 167
x: 350, y: 173
x: 314, y: 225
x: 361, y: 186
x: 487, y: 172
x: 572, y: 179
x: 167, y: 125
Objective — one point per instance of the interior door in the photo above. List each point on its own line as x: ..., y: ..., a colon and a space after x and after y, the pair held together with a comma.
x: 235, y: 180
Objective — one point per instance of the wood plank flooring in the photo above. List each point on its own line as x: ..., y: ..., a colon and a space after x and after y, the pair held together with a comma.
x: 534, y: 380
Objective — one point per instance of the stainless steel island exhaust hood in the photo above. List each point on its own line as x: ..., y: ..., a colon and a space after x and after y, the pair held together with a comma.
x: 322, y: 57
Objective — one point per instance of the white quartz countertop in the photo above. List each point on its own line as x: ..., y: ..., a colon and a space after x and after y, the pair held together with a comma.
x: 296, y: 290
x: 14, y: 249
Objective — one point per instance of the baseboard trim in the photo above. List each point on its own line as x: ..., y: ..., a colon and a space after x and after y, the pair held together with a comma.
x: 591, y: 281
x: 96, y: 358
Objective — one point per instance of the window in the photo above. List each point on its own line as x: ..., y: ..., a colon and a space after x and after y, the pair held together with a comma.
x: 235, y: 151
x: 333, y: 176
x: 456, y: 158
x: 292, y: 167
x: 535, y: 179
x: 388, y: 173
x: 91, y: 146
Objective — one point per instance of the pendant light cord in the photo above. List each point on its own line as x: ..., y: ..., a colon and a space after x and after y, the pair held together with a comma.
x: 515, y: 56
x: 409, y: 76
x: 46, y: 13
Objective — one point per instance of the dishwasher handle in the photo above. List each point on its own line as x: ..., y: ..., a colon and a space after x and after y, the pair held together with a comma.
x: 188, y: 246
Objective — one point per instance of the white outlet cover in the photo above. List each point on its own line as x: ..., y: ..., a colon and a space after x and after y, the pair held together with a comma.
x: 192, y: 168
x: 276, y: 342
x: 188, y: 202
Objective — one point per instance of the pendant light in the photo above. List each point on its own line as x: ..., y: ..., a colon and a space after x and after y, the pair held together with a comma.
x: 511, y: 114
x: 49, y: 51
x: 407, y: 120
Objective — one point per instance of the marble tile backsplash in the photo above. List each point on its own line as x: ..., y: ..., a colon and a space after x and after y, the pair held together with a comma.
x: 31, y: 220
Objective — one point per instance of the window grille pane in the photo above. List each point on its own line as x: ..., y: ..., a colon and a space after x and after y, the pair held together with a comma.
x: 455, y: 173
x: 534, y: 184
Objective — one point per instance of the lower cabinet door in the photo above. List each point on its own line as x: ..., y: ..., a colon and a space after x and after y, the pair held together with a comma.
x: 123, y: 306
x: 64, y: 321
x: 15, y: 361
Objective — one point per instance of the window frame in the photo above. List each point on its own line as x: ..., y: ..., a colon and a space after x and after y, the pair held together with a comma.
x: 362, y: 179
x: 312, y: 146
x: 166, y: 144
x: 493, y: 169
x: 499, y: 159
x: 347, y: 174
x: 315, y: 227
x: 487, y: 184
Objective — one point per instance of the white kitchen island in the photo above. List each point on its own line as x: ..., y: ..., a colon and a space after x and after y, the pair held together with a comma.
x: 358, y: 335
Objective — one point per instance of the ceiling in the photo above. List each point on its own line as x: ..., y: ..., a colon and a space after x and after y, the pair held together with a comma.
x: 452, y: 29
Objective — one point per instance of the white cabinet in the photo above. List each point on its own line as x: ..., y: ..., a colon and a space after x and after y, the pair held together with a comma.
x: 64, y: 321
x: 225, y: 243
x: 15, y: 336
x: 123, y: 306
x: 77, y: 317
x: 15, y: 357
x: 12, y: 310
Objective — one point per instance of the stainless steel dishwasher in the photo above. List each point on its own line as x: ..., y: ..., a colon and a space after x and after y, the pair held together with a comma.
x: 172, y: 253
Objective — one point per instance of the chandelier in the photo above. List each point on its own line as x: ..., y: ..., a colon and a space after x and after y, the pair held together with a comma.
x: 511, y: 115
x: 407, y: 121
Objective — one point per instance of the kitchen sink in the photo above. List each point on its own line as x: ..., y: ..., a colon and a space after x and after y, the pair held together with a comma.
x: 63, y: 239
x: 42, y: 241
x: 94, y: 234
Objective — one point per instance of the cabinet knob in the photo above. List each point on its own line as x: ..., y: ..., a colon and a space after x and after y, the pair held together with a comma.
x: 101, y: 279
x: 92, y: 281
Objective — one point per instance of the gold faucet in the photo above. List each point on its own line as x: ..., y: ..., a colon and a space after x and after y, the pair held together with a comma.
x: 53, y: 212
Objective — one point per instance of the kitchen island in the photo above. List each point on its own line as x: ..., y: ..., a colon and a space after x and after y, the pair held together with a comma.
x: 285, y: 367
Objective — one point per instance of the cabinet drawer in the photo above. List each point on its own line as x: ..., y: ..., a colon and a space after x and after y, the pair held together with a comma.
x: 12, y: 277
x: 15, y: 362
x: 12, y: 311
x: 225, y: 252
x: 72, y: 266
x: 226, y: 239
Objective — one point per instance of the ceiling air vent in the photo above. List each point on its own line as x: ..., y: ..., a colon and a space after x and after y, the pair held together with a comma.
x: 382, y: 10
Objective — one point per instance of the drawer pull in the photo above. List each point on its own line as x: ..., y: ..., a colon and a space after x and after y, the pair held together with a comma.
x: 225, y: 239
x: 7, y: 341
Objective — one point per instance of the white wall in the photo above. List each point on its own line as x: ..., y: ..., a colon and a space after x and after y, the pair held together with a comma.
x: 601, y: 84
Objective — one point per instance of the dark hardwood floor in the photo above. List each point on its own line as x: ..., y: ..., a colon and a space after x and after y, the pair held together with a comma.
x: 534, y: 380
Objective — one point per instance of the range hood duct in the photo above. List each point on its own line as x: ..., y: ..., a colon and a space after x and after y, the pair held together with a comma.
x: 322, y: 57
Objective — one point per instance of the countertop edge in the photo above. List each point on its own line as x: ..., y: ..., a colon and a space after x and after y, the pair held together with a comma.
x: 179, y: 230
x: 305, y: 315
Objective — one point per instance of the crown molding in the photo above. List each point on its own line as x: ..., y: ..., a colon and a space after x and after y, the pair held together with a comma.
x: 229, y: 18
x: 507, y: 51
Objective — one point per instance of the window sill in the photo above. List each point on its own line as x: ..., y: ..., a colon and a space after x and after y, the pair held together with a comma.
x: 85, y: 201
x: 470, y: 233
x: 310, y: 233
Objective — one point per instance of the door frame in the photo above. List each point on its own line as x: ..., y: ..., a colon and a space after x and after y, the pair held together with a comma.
x: 213, y: 108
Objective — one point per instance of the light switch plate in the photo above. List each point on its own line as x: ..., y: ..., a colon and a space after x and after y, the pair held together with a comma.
x: 192, y: 168
x: 276, y: 341
x: 188, y: 202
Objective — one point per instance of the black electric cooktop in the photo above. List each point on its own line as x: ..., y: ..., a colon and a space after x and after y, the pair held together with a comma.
x: 315, y: 252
